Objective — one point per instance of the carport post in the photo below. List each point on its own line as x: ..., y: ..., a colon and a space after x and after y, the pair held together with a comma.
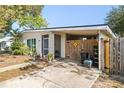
x: 63, y: 39
x: 99, y: 45
x: 51, y: 43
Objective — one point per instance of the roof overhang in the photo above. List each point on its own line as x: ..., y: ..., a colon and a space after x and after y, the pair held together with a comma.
x: 93, y: 29
x: 5, y: 39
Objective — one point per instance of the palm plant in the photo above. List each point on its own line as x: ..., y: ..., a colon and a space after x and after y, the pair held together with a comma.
x: 16, y: 34
x: 18, y: 47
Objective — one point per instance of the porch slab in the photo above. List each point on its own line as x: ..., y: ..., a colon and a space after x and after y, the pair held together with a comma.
x: 60, y: 75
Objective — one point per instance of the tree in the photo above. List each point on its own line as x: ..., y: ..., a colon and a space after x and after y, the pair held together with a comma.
x: 27, y: 16
x: 16, y: 34
x: 115, y: 19
x: 17, y: 46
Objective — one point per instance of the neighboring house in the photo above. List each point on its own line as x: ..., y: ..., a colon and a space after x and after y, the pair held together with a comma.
x: 5, y: 43
x: 67, y: 42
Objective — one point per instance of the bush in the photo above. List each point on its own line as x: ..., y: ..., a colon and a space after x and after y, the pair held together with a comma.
x: 24, y: 49
x: 50, y: 57
x: 17, y: 52
x: 19, y: 48
x: 16, y: 45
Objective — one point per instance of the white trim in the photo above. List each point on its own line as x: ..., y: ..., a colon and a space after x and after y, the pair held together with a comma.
x: 93, y: 28
x: 99, y: 47
x: 51, y: 43
x: 63, y: 39
x: 110, y: 31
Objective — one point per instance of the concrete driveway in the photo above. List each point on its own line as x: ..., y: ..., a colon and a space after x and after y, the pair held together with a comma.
x: 63, y: 74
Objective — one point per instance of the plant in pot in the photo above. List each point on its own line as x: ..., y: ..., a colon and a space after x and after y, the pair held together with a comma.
x: 50, y: 57
x: 33, y: 54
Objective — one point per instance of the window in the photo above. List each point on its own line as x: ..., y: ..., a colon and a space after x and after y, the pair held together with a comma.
x: 31, y: 43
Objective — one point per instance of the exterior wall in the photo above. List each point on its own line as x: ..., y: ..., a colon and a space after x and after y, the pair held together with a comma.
x: 99, y: 51
x: 2, y: 45
x: 102, y: 58
x: 57, y: 44
x: 106, y: 56
x: 104, y: 36
x: 51, y: 43
x: 38, y: 37
x: 63, y: 39
x: 5, y: 44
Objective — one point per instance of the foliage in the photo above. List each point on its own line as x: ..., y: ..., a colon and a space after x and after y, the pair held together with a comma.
x: 23, y: 14
x: 32, y: 22
x: 16, y: 34
x: 115, y: 19
x: 50, y: 57
x: 1, y: 35
x: 17, y: 52
x: 24, y: 49
x: 19, y: 48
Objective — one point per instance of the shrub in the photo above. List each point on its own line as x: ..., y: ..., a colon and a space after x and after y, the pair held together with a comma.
x: 19, y: 48
x: 24, y: 49
x: 17, y: 52
x: 50, y: 57
x: 16, y: 45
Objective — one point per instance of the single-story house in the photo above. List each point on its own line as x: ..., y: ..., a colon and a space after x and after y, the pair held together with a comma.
x: 68, y: 42
x: 5, y: 42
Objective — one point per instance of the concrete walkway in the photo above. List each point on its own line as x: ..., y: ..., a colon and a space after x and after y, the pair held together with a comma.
x: 59, y: 75
x: 3, y: 69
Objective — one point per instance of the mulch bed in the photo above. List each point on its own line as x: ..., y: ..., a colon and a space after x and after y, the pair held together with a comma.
x: 104, y: 81
x: 8, y: 60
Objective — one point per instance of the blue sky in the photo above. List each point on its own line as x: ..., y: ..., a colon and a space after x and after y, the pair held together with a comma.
x: 75, y: 15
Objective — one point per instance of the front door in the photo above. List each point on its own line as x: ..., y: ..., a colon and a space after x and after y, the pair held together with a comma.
x: 45, y: 45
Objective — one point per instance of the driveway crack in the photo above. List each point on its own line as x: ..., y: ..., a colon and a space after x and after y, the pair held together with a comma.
x: 50, y: 81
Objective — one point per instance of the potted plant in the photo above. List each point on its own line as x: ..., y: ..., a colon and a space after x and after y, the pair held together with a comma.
x: 50, y: 57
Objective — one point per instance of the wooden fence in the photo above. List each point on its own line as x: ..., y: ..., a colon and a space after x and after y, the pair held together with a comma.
x: 73, y: 47
x: 117, y: 58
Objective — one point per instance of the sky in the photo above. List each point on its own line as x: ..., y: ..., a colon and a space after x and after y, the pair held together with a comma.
x: 75, y: 15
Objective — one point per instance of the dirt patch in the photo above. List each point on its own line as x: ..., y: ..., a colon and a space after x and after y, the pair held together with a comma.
x: 7, y: 60
x: 22, y: 71
x: 104, y: 81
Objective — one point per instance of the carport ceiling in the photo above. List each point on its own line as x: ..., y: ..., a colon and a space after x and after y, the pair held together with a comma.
x: 80, y: 32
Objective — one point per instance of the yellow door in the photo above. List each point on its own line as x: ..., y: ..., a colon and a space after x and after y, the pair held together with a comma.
x: 107, y: 54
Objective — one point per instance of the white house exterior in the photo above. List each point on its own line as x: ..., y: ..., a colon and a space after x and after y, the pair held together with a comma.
x: 5, y: 42
x: 53, y: 40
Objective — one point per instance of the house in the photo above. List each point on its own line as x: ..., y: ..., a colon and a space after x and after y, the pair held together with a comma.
x: 67, y: 42
x: 5, y: 43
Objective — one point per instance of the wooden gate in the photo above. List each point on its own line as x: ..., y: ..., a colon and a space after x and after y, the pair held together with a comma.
x: 107, y: 54
x: 117, y: 58
x: 73, y: 47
